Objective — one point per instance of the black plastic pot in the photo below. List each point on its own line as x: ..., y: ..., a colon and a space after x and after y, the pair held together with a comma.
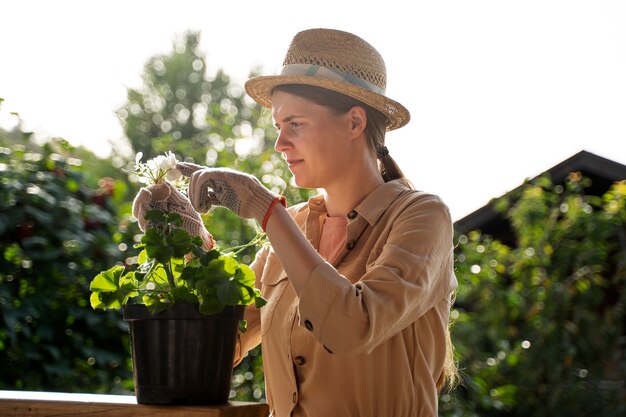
x: 181, y: 356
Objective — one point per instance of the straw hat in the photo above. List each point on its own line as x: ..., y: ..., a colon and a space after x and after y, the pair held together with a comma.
x: 338, y: 61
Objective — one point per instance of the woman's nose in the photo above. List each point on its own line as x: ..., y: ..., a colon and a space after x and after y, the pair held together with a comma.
x: 281, y: 141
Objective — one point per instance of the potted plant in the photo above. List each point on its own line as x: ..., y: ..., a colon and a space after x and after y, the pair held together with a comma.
x: 184, y: 306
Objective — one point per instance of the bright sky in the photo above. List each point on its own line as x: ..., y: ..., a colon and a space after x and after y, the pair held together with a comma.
x: 498, y: 90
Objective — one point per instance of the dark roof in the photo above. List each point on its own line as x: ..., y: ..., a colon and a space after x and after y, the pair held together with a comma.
x: 601, y: 171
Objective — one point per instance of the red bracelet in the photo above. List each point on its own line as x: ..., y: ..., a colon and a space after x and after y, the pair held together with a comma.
x: 281, y: 199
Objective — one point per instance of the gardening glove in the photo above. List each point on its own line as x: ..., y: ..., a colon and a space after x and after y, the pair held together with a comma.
x: 241, y: 193
x: 165, y: 197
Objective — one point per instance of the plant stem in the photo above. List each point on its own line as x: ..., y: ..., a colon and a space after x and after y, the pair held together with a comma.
x: 170, y: 275
x: 236, y: 250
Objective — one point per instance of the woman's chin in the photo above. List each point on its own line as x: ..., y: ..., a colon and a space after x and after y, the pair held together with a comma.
x: 302, y: 182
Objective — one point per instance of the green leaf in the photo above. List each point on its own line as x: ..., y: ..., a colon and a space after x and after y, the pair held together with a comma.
x: 156, y: 216
x: 180, y: 242
x: 231, y: 292
x: 225, y: 263
x: 109, y: 300
x: 259, y: 301
x: 184, y: 295
x: 245, y: 275
x: 207, y: 257
x: 179, y: 265
x: 128, y: 282
x: 207, y: 295
x: 142, y: 257
x: 107, y: 280
x: 210, y: 306
x: 197, y: 240
x: 95, y: 301
x: 156, y: 302
x: 159, y: 276
x: 174, y: 218
x: 156, y: 246
x: 197, y: 251
x: 111, y: 289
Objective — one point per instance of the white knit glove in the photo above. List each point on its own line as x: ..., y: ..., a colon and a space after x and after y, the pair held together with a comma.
x: 165, y: 197
x: 241, y: 193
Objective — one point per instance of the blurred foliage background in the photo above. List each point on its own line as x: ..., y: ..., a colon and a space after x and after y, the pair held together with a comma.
x: 539, y: 327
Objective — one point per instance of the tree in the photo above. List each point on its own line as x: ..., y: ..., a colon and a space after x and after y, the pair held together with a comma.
x: 540, y: 327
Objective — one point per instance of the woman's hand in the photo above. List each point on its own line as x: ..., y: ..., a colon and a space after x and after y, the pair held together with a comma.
x: 167, y: 198
x: 246, y: 196
x: 241, y: 193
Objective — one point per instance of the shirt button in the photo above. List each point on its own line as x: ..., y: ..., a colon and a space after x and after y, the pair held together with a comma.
x: 308, y: 325
x: 352, y: 214
x: 350, y: 245
x: 299, y: 360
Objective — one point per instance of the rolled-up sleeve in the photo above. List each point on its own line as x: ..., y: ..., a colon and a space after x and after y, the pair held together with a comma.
x: 412, y: 272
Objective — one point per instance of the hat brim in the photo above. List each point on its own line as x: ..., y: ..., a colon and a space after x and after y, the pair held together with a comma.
x: 260, y: 89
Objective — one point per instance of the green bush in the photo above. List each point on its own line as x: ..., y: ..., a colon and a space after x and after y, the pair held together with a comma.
x: 59, y: 227
x: 540, y: 327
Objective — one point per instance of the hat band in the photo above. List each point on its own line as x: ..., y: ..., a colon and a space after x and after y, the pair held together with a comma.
x: 312, y: 70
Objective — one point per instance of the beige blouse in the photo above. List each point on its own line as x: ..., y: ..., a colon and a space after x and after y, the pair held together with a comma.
x: 367, y: 337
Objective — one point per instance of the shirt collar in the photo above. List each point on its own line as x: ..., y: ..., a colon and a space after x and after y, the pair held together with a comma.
x: 374, y: 205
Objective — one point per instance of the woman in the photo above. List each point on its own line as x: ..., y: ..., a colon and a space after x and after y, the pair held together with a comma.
x: 359, y: 279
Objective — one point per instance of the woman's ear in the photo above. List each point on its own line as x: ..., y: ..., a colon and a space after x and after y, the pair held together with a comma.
x: 358, y: 120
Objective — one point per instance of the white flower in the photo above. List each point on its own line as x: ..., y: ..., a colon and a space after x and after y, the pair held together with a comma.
x: 157, y: 169
x: 161, y: 162
x: 173, y: 174
x: 144, y: 180
x: 170, y: 161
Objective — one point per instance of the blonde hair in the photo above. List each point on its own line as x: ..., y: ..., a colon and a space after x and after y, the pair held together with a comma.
x: 450, y: 377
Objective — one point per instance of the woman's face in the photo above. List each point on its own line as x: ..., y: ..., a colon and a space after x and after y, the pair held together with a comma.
x: 314, y: 141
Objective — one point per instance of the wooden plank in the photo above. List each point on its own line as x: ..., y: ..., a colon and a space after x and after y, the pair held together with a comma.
x: 54, y: 404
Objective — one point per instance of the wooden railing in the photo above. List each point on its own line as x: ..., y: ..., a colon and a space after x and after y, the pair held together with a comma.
x: 47, y: 404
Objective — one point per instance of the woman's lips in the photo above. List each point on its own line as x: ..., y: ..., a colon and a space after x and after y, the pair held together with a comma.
x: 293, y: 162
